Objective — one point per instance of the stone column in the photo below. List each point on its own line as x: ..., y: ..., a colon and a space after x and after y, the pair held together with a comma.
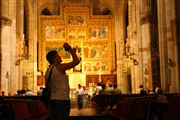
x: 19, y: 45
x: 173, y: 80
x: 139, y: 81
x: 120, y: 30
x: 163, y: 45
x: 32, y: 44
x: 133, y: 43
x: 145, y: 42
x: 8, y: 45
x: 0, y: 41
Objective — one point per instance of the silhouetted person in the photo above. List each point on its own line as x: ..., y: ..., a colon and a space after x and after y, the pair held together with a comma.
x: 39, y: 93
x: 59, y: 83
x: 103, y: 91
x: 115, y: 89
x: 161, y: 103
x: 142, y: 92
x: 3, y: 93
x: 98, y: 88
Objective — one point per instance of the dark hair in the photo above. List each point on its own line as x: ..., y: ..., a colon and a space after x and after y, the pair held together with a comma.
x: 99, y: 84
x: 160, y: 91
x: 141, y: 86
x: 103, y: 86
x: 50, y: 55
x: 115, y: 85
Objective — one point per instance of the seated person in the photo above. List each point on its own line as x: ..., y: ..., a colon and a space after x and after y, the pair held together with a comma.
x: 161, y: 98
x: 98, y: 88
x: 142, y: 92
x: 103, y: 91
x: 116, y: 90
x: 161, y: 103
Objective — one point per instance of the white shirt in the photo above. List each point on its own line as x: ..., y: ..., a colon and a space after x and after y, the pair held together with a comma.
x: 98, y: 88
x: 59, y: 84
x: 80, y: 91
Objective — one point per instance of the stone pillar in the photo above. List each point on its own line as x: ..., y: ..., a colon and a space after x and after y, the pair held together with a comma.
x: 8, y: 45
x: 145, y: 41
x: 139, y: 80
x: 19, y: 45
x: 120, y: 36
x: 173, y: 80
x: 0, y: 41
x: 133, y: 43
x: 32, y: 44
x: 163, y: 52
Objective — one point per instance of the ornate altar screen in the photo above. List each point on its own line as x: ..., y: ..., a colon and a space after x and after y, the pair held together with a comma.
x: 91, y: 35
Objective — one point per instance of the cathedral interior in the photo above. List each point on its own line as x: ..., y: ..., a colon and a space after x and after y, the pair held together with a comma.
x: 128, y: 42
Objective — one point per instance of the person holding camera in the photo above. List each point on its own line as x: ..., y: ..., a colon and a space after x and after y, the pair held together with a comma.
x: 59, y: 83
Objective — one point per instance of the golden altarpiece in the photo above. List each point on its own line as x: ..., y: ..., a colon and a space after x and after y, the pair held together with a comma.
x: 91, y: 35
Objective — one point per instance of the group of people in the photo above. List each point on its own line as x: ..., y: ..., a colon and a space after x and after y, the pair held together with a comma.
x: 100, y: 89
x: 59, y: 85
x: 142, y: 91
x: 20, y: 92
x: 161, y: 100
x: 24, y: 92
x: 110, y: 88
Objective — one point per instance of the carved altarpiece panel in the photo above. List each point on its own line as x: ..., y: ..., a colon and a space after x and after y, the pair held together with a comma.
x: 92, y: 36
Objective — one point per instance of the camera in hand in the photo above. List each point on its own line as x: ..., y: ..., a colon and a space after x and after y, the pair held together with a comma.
x: 66, y: 46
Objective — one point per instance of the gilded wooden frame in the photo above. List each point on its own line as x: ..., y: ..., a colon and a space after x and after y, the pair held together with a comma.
x: 77, y: 26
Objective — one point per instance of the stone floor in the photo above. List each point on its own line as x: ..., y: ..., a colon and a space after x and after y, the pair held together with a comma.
x: 87, y: 110
x: 82, y: 112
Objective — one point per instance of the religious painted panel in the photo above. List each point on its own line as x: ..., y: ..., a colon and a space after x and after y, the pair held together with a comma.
x: 76, y: 34
x: 96, y: 50
x: 72, y: 34
x: 90, y: 35
x: 95, y: 66
x: 87, y: 67
x: 64, y: 54
x: 81, y: 34
x: 54, y: 33
x: 58, y: 46
x: 76, y: 20
x: 99, y: 32
x: 100, y: 66
x: 104, y: 66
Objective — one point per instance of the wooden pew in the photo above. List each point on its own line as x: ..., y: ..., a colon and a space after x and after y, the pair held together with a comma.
x: 131, y: 109
x: 109, y: 101
x: 19, y: 110
x: 123, y: 110
x: 172, y: 111
x: 141, y: 109
x: 37, y: 110
x: 28, y: 110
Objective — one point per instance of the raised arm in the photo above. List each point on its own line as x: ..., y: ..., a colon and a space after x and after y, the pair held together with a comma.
x: 76, y: 61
